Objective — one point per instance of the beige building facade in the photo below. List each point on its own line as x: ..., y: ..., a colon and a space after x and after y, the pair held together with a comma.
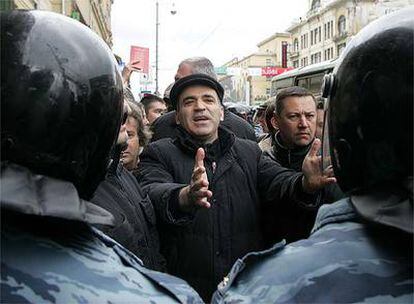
x: 96, y: 14
x: 330, y: 24
x: 248, y: 80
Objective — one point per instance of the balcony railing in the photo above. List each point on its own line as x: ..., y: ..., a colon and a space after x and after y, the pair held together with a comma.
x: 340, y: 36
x: 293, y: 54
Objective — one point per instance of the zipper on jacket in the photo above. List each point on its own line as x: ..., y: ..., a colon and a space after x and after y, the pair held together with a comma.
x: 289, y: 157
x: 213, y: 166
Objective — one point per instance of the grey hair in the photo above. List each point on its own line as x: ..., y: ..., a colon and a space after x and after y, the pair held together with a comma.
x: 201, y: 65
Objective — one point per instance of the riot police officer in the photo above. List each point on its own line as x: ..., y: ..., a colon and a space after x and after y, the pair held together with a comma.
x: 61, y: 109
x: 361, y: 247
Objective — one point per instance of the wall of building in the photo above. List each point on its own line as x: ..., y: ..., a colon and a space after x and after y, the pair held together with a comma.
x: 257, y: 87
x: 273, y: 45
x: 324, y: 21
x: 244, y: 82
x: 95, y: 14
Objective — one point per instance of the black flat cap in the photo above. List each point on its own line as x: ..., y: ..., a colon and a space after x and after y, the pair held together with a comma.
x: 194, y: 79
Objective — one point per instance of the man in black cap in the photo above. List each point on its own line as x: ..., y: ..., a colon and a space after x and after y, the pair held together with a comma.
x: 206, y: 186
x: 165, y: 126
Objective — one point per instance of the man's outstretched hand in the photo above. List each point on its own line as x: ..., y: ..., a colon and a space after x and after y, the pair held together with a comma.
x: 196, y: 194
x: 314, y: 178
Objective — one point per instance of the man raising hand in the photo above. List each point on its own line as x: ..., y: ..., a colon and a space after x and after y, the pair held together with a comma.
x: 207, y: 187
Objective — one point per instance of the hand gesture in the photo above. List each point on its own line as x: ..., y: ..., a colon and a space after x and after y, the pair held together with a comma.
x: 128, y: 69
x: 196, y: 194
x: 313, y: 177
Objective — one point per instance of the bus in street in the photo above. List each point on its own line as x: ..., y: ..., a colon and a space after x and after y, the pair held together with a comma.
x: 309, y: 77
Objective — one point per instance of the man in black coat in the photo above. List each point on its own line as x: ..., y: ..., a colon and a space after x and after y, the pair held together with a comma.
x: 295, y: 115
x: 207, y: 185
x: 166, y: 125
x: 121, y: 195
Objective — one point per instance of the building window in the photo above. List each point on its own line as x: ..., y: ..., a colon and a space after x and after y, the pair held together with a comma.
x: 311, y: 34
x: 341, y: 25
x: 328, y: 30
x: 314, y: 36
x: 319, y: 34
x: 304, y: 61
x: 316, y: 58
x: 304, y: 41
x: 296, y: 45
x: 341, y: 47
x: 328, y: 54
x: 296, y: 63
x: 268, y: 62
x: 267, y: 91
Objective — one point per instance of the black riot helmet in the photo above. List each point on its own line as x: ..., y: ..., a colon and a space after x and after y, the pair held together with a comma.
x: 369, y: 122
x: 61, y: 97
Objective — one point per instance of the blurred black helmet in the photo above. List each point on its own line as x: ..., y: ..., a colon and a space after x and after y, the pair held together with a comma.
x: 370, y: 105
x: 61, y: 97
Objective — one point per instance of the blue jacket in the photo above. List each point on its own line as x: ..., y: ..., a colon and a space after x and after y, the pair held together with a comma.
x: 51, y: 254
x: 345, y: 260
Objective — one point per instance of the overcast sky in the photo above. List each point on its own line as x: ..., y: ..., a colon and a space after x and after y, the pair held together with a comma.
x: 217, y: 29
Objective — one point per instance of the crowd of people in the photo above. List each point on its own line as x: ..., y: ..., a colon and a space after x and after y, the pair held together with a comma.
x: 105, y: 198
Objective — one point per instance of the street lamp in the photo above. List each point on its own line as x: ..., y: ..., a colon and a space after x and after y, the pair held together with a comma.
x: 173, y: 11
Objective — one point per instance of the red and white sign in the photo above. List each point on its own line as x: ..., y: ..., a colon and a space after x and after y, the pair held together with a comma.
x: 271, y: 71
x: 141, y: 54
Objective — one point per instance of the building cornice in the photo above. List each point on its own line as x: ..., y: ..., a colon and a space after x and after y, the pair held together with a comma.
x: 275, y: 35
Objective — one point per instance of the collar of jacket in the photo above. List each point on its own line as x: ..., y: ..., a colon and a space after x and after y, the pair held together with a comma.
x: 213, y: 151
x: 25, y: 192
x: 291, y: 158
x: 279, y: 147
x: 389, y: 205
x: 337, y: 212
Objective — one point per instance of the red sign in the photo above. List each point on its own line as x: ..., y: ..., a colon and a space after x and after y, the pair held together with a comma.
x: 284, y: 54
x: 141, y: 54
x: 271, y: 71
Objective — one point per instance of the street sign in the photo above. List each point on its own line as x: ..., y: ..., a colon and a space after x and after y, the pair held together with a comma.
x: 271, y: 71
x: 141, y: 54
x: 221, y: 70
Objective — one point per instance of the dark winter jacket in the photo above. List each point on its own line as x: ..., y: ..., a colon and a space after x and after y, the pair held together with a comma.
x: 165, y: 126
x: 201, y: 247
x: 287, y: 221
x: 135, y: 222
